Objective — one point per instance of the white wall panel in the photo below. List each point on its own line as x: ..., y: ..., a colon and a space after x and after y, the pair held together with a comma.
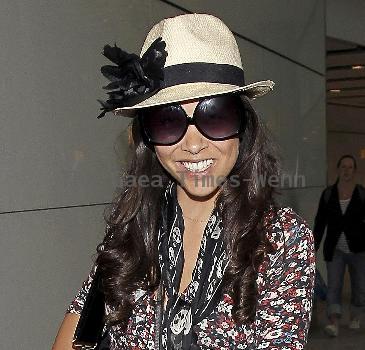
x: 54, y: 150
x: 345, y: 20
x: 294, y: 112
x: 292, y: 28
x: 44, y: 258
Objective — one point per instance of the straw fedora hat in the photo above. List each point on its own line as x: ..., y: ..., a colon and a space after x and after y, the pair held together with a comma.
x: 183, y: 58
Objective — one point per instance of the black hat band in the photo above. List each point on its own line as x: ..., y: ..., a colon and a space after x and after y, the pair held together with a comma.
x: 198, y: 72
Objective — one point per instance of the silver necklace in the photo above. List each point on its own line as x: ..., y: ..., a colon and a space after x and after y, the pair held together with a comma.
x: 195, y: 220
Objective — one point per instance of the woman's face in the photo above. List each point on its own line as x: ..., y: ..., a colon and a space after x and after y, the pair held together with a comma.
x: 346, y: 170
x: 198, y: 164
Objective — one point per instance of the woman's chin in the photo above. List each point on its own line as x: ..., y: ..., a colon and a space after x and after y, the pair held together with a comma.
x: 200, y: 188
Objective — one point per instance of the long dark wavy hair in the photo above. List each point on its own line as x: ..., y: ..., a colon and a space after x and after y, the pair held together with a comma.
x: 128, y: 256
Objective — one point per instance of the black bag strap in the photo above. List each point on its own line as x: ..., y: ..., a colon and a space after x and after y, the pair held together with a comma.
x: 361, y: 191
x: 327, y: 194
x: 89, y: 330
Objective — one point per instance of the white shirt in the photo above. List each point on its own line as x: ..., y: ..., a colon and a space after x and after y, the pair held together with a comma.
x: 342, y: 243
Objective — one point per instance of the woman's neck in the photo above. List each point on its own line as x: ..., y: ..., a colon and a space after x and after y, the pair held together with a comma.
x: 346, y: 185
x: 196, y: 208
x: 345, y: 189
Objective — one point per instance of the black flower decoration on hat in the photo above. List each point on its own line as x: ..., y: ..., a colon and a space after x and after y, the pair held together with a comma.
x: 134, y: 78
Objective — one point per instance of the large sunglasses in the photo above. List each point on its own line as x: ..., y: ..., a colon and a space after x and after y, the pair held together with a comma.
x: 217, y: 118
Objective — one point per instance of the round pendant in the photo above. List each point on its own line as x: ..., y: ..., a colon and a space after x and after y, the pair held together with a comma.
x: 181, y: 322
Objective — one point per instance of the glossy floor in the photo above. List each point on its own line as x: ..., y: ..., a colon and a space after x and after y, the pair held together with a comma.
x: 347, y: 339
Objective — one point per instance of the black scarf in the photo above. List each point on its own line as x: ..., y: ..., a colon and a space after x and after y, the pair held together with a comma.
x: 205, y: 290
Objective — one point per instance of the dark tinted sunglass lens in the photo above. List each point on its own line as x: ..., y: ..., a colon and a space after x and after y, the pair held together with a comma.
x: 220, y: 117
x: 164, y: 125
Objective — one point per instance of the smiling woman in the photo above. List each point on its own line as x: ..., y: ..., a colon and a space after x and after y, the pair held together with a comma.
x: 196, y: 161
x: 206, y: 259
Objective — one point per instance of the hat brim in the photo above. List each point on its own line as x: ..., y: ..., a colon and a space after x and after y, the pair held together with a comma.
x: 192, y: 91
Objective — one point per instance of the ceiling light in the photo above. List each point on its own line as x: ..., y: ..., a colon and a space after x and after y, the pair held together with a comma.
x: 335, y: 90
x: 358, y: 67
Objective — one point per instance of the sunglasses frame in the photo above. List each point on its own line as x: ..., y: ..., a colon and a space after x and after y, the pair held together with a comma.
x: 192, y: 121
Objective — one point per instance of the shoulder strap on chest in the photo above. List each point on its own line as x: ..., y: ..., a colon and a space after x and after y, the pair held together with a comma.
x: 361, y: 191
x: 327, y: 194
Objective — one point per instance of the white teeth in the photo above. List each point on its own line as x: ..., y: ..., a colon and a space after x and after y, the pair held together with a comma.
x: 198, y: 166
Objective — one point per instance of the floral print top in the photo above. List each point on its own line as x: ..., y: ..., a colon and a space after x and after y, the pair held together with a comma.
x: 285, y: 288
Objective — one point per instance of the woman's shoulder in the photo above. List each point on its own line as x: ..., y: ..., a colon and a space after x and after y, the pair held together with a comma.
x: 286, y: 228
x: 293, y: 244
x: 361, y: 189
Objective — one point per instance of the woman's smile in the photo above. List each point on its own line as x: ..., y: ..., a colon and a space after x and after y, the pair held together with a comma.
x: 199, y: 164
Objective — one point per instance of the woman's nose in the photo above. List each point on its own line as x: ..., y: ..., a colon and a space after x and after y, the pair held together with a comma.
x: 193, y: 141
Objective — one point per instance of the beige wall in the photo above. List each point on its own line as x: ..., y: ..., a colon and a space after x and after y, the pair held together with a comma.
x: 345, y: 20
x: 58, y: 166
x: 346, y: 135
